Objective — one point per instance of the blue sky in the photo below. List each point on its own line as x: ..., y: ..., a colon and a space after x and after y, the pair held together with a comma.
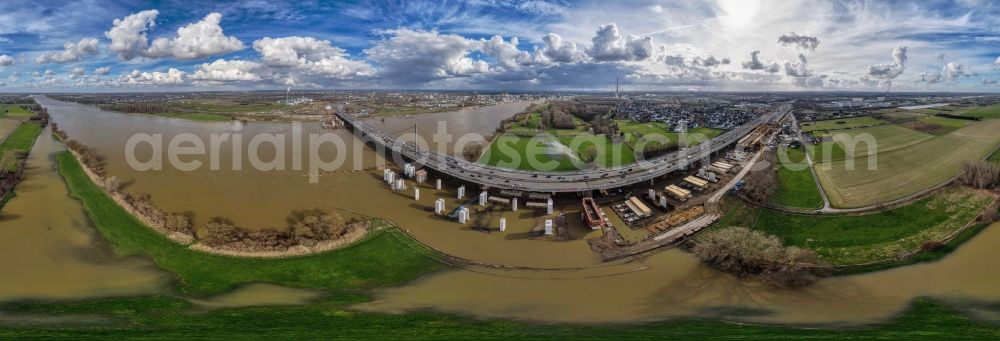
x: 725, y: 45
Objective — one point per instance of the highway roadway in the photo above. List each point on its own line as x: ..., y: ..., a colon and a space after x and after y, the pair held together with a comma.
x: 554, y: 182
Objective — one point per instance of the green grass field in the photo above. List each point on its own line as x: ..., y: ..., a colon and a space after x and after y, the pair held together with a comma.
x: 845, y: 123
x: 886, y: 137
x: 950, y: 123
x: 904, y: 171
x: 171, y: 318
x: 796, y: 187
x: 383, y: 259
x: 21, y: 139
x: 992, y: 111
x: 854, y: 239
x: 843, y: 239
x: 511, y: 151
x: 14, y: 111
x: 660, y: 129
x: 608, y: 154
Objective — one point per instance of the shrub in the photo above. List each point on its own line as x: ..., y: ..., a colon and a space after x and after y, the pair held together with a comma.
x: 930, y: 246
x: 744, y: 252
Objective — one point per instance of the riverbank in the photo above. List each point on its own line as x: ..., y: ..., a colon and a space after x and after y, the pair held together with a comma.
x: 378, y: 260
x: 880, y: 239
x: 13, y: 153
x: 159, y: 317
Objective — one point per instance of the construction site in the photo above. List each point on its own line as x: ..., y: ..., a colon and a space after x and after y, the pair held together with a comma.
x: 616, y: 222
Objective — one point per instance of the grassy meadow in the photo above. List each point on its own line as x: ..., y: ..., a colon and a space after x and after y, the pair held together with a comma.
x: 796, y: 187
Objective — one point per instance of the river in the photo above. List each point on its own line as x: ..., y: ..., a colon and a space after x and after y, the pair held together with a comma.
x: 659, y: 286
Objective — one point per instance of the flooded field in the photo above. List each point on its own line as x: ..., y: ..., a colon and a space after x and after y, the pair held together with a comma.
x: 48, y: 249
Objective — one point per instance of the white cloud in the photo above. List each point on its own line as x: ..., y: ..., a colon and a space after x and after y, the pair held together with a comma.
x: 953, y: 70
x: 196, y: 40
x: 128, y: 35
x: 200, y: 39
x: 420, y: 56
x: 507, y: 54
x: 928, y: 77
x: 610, y: 45
x: 102, y: 71
x: 6, y: 60
x: 71, y: 52
x: 77, y: 72
x: 171, y: 77
x: 799, y: 69
x: 888, y: 72
x: 559, y: 51
x: 997, y: 62
x: 310, y: 56
x: 228, y: 71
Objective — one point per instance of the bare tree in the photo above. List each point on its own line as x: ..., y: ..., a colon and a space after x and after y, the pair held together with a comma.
x: 472, y: 151
x: 745, y: 252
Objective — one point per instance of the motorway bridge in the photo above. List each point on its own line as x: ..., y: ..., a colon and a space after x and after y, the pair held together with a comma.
x: 553, y: 182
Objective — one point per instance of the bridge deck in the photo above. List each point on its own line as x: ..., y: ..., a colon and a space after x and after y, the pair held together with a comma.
x: 572, y: 181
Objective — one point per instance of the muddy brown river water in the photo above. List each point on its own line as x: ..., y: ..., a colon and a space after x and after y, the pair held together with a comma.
x: 47, y: 230
x: 48, y: 250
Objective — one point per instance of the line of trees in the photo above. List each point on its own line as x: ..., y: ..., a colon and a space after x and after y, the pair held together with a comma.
x: 305, y: 228
x: 136, y: 108
x: 745, y: 252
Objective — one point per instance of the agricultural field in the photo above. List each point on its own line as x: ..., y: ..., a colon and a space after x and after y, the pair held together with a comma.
x: 886, y: 137
x: 903, y: 171
x: 992, y: 111
x: 844, y: 123
x: 796, y: 187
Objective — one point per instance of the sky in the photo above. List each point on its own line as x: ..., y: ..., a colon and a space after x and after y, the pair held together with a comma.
x: 721, y: 45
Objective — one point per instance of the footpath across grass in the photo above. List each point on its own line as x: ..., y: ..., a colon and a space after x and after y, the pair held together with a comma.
x: 380, y: 260
x: 172, y: 318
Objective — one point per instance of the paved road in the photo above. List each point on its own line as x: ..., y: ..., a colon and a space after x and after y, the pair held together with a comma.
x: 572, y: 181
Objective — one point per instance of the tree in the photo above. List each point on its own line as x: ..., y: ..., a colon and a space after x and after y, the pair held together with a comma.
x: 472, y: 151
x: 111, y: 184
x: 589, y: 154
x: 762, y: 182
x: 745, y: 252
